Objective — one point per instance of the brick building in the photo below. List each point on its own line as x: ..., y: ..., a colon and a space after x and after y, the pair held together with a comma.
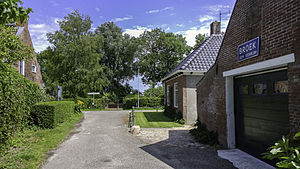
x: 30, y: 68
x: 180, y: 83
x: 251, y: 95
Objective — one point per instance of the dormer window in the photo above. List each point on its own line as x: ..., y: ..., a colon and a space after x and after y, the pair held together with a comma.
x: 22, y: 67
x: 33, y: 69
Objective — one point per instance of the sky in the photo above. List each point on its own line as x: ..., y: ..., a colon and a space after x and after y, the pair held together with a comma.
x: 186, y: 17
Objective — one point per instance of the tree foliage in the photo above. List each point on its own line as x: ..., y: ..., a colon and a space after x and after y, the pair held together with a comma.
x: 200, y: 38
x: 12, y: 49
x: 73, y: 60
x: 159, y: 52
x: 119, y: 54
x: 11, y: 12
x: 154, y: 92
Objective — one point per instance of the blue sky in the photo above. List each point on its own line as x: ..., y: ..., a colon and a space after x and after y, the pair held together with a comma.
x: 186, y: 17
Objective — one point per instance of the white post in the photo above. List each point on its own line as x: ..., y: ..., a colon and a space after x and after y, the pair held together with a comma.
x: 138, y: 103
x: 230, y: 112
x: 94, y: 100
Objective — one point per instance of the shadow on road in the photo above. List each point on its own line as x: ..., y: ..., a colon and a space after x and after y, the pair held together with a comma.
x: 180, y: 151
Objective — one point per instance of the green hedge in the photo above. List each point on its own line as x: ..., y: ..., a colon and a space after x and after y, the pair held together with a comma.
x: 17, y: 96
x: 87, y: 102
x: 50, y: 114
x: 129, y: 102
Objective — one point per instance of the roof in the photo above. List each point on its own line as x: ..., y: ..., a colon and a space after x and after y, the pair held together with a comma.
x: 202, y: 58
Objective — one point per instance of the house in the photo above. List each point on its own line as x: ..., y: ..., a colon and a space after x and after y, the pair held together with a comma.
x: 251, y: 95
x: 180, y: 83
x: 30, y: 68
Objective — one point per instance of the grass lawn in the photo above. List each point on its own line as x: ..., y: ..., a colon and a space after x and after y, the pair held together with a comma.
x: 31, y: 146
x: 147, y: 108
x: 112, y: 109
x: 154, y: 120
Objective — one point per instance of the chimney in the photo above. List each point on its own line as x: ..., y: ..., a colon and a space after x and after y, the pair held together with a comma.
x: 215, y: 28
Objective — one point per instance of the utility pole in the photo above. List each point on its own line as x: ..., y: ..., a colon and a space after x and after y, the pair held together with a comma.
x: 138, y: 103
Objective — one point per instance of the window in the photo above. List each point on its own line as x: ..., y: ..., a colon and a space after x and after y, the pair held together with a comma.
x: 33, y: 68
x: 176, y: 95
x: 22, y: 67
x: 168, y: 95
x: 280, y: 87
x: 260, y: 89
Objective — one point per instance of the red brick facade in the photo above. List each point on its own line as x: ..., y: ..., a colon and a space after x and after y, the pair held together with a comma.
x: 181, y: 81
x: 33, y: 76
x: 277, y: 23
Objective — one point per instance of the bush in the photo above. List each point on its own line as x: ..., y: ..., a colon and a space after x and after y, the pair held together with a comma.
x: 86, y: 103
x: 203, y: 135
x: 174, y: 115
x: 286, y: 151
x: 50, y: 114
x: 17, y: 96
x: 130, y: 102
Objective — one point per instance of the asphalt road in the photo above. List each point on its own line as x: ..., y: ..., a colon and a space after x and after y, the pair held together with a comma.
x: 102, y: 141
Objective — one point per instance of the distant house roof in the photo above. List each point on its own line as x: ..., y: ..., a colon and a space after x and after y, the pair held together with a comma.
x: 202, y: 58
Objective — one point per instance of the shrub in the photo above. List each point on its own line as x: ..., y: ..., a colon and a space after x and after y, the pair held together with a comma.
x: 130, y: 102
x: 174, y: 115
x: 86, y: 103
x: 17, y: 96
x: 49, y: 114
x: 286, y: 151
x: 203, y: 135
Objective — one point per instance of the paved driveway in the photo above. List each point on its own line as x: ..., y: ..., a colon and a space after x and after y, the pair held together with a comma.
x: 103, y: 141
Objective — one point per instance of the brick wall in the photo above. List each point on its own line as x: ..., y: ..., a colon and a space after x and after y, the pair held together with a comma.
x: 277, y: 23
x: 182, y: 106
x: 35, y: 77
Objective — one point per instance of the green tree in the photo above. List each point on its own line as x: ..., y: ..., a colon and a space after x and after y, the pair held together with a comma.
x: 11, y: 12
x: 154, y: 92
x: 200, y: 38
x: 73, y: 60
x: 119, y: 55
x: 159, y: 52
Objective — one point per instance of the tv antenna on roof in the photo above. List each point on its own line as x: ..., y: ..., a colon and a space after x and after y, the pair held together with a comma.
x: 223, y: 13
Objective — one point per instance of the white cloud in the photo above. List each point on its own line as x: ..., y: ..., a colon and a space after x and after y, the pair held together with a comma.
x: 191, y: 33
x: 180, y: 25
x: 39, y: 32
x: 168, y: 8
x: 204, y: 18
x: 97, y: 9
x: 137, y: 31
x: 122, y: 19
x: 153, y: 11
x: 217, y: 8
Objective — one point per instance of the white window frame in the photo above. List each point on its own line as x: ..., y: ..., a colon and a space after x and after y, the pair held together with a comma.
x: 176, y: 95
x: 22, y: 69
x: 33, y: 68
x: 168, y: 95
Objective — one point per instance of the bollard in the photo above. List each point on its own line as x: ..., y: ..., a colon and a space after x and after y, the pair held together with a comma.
x: 129, y: 121
x: 133, y: 116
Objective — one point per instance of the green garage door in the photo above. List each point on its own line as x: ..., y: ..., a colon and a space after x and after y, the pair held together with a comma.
x: 261, y: 111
